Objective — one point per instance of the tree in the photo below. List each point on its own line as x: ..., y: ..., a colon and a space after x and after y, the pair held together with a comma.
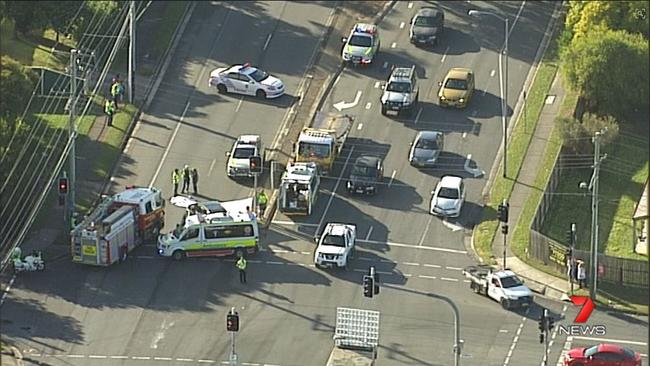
x: 27, y: 15
x: 17, y: 86
x: 61, y: 15
x: 610, y: 69
x: 585, y: 17
x: 95, y: 17
x: 577, y: 134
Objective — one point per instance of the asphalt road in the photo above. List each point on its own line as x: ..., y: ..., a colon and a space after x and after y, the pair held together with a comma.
x: 151, y: 311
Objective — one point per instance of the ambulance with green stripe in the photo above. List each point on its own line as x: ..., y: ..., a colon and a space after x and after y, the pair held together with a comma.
x: 217, y: 233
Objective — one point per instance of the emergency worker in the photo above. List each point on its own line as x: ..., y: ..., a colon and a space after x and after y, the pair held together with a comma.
x: 186, y: 178
x: 241, y: 265
x: 262, y: 201
x: 176, y: 179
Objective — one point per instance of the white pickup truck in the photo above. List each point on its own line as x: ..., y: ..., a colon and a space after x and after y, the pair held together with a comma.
x: 503, y: 286
x: 336, y: 245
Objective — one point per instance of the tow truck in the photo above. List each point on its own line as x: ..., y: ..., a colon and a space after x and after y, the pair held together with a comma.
x: 117, y: 225
x: 299, y: 189
x: 323, y: 141
x: 336, y: 245
x: 501, y: 285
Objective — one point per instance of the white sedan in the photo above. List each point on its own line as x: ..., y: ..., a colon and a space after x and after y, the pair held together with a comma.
x: 448, y: 197
x: 246, y: 79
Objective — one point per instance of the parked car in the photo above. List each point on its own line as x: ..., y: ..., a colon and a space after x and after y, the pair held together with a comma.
x: 246, y: 79
x: 427, y: 26
x: 448, y: 197
x: 457, y: 88
x: 426, y: 148
x: 602, y: 355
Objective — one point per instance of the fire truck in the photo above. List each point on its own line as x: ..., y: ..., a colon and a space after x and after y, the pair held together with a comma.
x: 117, y: 225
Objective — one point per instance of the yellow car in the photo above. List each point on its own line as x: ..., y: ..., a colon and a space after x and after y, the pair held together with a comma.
x: 457, y: 88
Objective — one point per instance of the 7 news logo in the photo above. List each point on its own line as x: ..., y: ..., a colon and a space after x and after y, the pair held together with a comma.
x: 579, y: 329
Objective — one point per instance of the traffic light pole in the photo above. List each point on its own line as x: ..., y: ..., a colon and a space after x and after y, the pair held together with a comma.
x: 255, y: 192
x: 233, y: 355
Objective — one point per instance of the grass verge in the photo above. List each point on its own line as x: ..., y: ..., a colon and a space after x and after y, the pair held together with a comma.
x: 34, y: 50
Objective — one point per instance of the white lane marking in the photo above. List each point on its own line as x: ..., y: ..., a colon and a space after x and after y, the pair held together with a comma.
x: 360, y: 126
x: 253, y: 261
x: 279, y: 251
x: 169, y: 145
x: 7, y: 289
x: 417, y: 116
x: 452, y: 226
x: 407, y: 274
x: 515, y: 339
x: 385, y: 273
x: 268, y: 39
x: 273, y: 262
x: 426, y: 230
x: 162, y: 358
x: 385, y: 261
x: 444, y: 56
x: 97, y: 356
x: 305, y: 253
x: 291, y: 223
x: 239, y: 104
x: 393, y: 45
x: 429, y: 277
x: 160, y: 334
x: 424, y: 247
x: 610, y: 340
x: 385, y: 64
x: 211, y: 166
x: 336, y: 186
x: 449, y: 279
x: 185, y: 359
x: 432, y: 265
x: 120, y: 357
x: 369, y: 233
x: 492, y: 73
x: 360, y: 270
x: 503, y: 331
x: 377, y: 84
x: 213, y: 361
x: 140, y: 357
x: 365, y: 259
x: 464, y: 134
x: 410, y: 264
x: 75, y: 356
x: 392, y: 177
x: 410, y: 5
x: 454, y: 268
x: 401, y: 25
x: 368, y: 105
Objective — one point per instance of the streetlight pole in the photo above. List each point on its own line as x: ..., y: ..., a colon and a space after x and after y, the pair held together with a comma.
x: 503, y: 81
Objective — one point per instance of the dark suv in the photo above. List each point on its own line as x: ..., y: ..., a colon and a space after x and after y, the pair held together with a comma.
x: 401, y: 91
x: 427, y: 26
x: 367, y: 171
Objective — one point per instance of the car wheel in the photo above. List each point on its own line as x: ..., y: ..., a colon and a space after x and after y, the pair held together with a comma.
x: 222, y: 88
x: 505, y: 303
x: 178, y: 255
x: 260, y: 93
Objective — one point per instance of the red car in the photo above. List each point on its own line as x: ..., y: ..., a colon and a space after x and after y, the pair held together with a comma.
x: 602, y: 355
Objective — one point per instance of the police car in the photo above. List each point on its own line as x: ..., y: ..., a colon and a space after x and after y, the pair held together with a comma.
x: 239, y: 156
x: 246, y: 79
x: 362, y: 45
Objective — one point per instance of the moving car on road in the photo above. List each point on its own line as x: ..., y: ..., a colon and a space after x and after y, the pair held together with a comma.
x: 239, y: 155
x: 336, y: 245
x: 246, y: 79
x: 448, y: 197
x: 426, y: 148
x: 401, y: 91
x: 457, y: 88
x: 427, y: 26
x: 602, y: 355
x: 502, y: 286
x: 367, y: 172
x: 361, y: 46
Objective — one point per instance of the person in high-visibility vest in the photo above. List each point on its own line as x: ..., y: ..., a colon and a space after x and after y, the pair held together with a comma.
x: 115, y: 92
x: 176, y: 180
x: 109, y: 109
x: 262, y: 201
x: 241, y: 265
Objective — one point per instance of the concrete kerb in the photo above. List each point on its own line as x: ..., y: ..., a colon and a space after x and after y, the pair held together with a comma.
x: 550, y: 29
x: 321, y: 98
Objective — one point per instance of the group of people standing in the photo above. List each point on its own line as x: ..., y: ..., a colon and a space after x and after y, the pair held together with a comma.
x: 188, y: 177
x: 116, y: 94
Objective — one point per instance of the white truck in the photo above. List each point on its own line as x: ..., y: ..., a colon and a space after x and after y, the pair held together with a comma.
x: 298, y: 189
x: 503, y: 286
x: 336, y: 245
x: 356, y: 338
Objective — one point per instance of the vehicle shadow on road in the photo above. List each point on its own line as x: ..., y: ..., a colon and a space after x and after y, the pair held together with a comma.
x: 450, y: 163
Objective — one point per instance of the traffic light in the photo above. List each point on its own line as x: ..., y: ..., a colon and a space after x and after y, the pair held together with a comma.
x: 369, y: 286
x: 63, y: 185
x: 541, y: 338
x: 542, y: 322
x: 232, y: 322
x: 503, y: 211
x: 504, y: 229
x: 255, y: 164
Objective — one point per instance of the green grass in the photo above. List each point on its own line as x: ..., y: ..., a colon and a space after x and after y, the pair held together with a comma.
x: 517, y: 147
x: 34, y: 50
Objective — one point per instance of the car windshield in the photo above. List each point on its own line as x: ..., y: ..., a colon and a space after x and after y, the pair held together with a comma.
x: 511, y: 281
x: 259, y: 75
x: 363, y: 171
x: 360, y: 41
x: 456, y: 84
x: 428, y: 22
x: 591, y: 351
x: 398, y: 87
x: 449, y: 193
x: 334, y: 240
x: 243, y: 153
x: 427, y: 144
x: 308, y: 150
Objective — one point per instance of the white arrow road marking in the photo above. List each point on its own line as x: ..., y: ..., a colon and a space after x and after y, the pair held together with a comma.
x: 452, y: 226
x: 492, y: 73
x: 377, y: 83
x: 343, y: 105
x: 385, y: 64
x: 360, y: 126
x: 161, y: 333
x: 476, y: 172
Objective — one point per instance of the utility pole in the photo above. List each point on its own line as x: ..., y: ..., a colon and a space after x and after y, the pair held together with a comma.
x: 131, y: 73
x: 593, y: 186
x: 72, y: 131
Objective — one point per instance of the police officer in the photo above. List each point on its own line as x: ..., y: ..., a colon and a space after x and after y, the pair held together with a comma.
x: 186, y: 178
x: 176, y: 179
x: 262, y: 201
x: 109, y: 109
x: 241, y: 265
x: 195, y: 180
